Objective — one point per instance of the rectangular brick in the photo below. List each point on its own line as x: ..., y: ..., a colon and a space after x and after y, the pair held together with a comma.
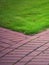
x: 6, y: 63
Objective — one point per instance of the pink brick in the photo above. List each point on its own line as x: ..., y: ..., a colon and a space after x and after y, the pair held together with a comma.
x: 6, y: 63
x: 16, y: 46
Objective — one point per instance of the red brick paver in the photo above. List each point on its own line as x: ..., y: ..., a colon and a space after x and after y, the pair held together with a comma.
x: 19, y: 49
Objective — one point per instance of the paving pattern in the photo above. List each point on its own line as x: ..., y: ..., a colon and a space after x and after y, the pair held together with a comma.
x: 19, y: 49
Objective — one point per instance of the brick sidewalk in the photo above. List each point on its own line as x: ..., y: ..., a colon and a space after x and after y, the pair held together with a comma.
x: 19, y: 49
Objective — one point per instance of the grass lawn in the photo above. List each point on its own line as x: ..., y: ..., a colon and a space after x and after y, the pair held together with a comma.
x: 27, y: 16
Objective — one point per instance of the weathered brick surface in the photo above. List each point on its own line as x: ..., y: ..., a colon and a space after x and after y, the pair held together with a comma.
x: 19, y: 49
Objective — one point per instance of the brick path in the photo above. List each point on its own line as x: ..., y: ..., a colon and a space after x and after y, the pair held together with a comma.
x: 19, y: 49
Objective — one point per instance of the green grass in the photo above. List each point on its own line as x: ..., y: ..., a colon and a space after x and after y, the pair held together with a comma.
x: 27, y: 16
